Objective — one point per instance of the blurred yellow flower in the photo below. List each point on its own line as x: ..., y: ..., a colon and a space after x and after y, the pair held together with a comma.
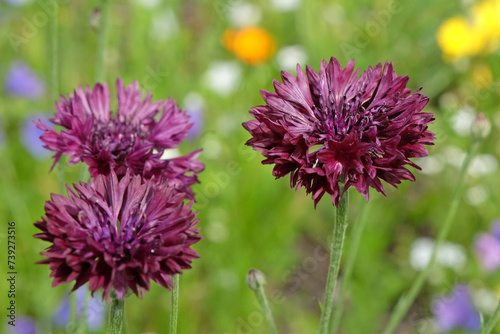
x: 252, y: 45
x: 457, y: 38
x: 486, y: 15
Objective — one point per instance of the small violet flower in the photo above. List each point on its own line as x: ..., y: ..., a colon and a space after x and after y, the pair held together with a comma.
x: 30, y: 136
x: 23, y: 325
x: 21, y: 81
x: 487, y: 248
x: 96, y: 311
x: 456, y: 311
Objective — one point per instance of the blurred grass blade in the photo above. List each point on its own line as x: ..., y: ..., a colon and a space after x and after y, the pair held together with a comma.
x: 491, y: 323
x: 54, y: 57
x: 406, y: 300
x: 102, y: 42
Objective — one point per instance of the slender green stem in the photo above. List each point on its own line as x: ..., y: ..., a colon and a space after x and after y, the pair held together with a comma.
x: 256, y: 281
x: 54, y: 58
x: 116, y: 316
x: 405, y: 301
x: 335, y: 256
x: 493, y: 320
x: 102, y: 42
x: 357, y: 231
x: 54, y: 83
x: 175, y: 306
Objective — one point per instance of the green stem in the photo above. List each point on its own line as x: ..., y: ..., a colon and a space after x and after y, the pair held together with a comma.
x: 116, y: 316
x: 260, y: 293
x: 175, y: 306
x: 493, y: 320
x: 54, y: 82
x: 335, y: 256
x: 351, y: 260
x: 102, y: 42
x: 406, y: 300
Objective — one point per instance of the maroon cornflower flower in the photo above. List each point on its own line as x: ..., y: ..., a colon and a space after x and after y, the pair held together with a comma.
x: 131, y: 139
x: 118, y: 234
x: 333, y: 126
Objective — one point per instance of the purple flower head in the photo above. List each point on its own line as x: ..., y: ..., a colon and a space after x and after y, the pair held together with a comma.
x: 96, y: 310
x: 24, y: 325
x: 118, y: 234
x: 23, y: 82
x: 487, y: 248
x: 131, y: 139
x: 30, y: 136
x: 333, y: 125
x: 456, y: 311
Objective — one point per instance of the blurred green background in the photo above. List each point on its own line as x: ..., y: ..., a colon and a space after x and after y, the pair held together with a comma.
x: 249, y: 220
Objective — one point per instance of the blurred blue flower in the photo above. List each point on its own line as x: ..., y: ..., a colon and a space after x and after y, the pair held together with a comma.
x: 23, y: 82
x: 17, y: 2
x: 487, y: 248
x: 456, y: 311
x: 30, y: 136
x: 195, y: 107
x: 96, y: 311
x: 24, y: 325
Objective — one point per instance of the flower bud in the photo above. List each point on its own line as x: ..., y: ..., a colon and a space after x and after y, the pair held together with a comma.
x: 481, y: 127
x: 255, y: 279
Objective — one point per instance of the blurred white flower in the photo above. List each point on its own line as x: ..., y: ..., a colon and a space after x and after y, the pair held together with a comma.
x: 454, y: 156
x: 223, y: 77
x: 165, y: 25
x: 334, y: 14
x: 476, y: 195
x: 483, y: 164
x: 212, y: 148
x: 289, y: 56
x: 449, y: 255
x: 448, y: 100
x: 147, y: 3
x: 286, y: 5
x: 216, y: 231
x: 242, y: 14
x: 193, y: 100
x: 485, y: 300
x: 432, y: 164
x: 462, y: 121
